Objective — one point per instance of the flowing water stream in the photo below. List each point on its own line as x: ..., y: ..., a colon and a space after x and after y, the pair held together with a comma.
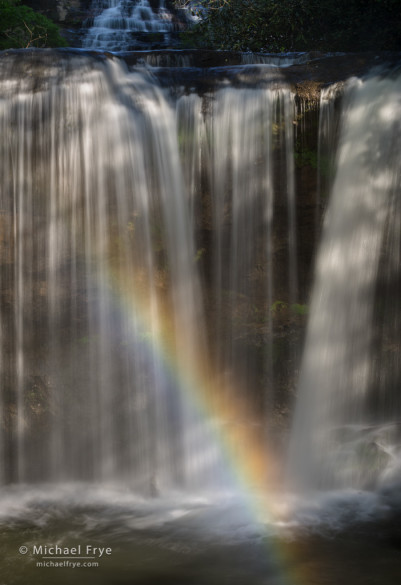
x: 120, y: 25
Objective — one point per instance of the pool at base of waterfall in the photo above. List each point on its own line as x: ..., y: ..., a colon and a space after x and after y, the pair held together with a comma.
x: 107, y: 535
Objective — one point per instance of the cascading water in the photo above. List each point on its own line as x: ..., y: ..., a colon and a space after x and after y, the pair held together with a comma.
x: 123, y: 24
x: 346, y: 431
x: 94, y: 208
x: 229, y: 150
x: 116, y: 337
x: 328, y: 138
x: 155, y: 184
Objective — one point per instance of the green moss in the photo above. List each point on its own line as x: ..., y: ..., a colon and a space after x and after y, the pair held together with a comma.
x: 306, y: 157
x: 278, y: 307
x: 299, y: 309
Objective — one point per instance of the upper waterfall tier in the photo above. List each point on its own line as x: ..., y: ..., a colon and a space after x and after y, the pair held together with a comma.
x: 122, y: 25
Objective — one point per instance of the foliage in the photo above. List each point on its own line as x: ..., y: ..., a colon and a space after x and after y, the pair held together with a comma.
x: 21, y: 27
x: 278, y: 307
x: 299, y: 309
x: 298, y: 25
x: 305, y: 157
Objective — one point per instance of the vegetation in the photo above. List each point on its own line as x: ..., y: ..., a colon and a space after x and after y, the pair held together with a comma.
x: 281, y: 307
x: 21, y: 27
x: 305, y: 157
x: 278, y: 307
x: 299, y: 25
x: 299, y: 309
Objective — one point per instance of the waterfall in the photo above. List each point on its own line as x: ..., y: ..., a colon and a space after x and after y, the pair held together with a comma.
x: 149, y: 259
x: 121, y: 25
x: 128, y: 274
x: 328, y: 129
x: 94, y: 207
x: 346, y: 429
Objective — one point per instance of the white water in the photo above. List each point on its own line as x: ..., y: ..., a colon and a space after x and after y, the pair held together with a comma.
x: 338, y: 440
x: 228, y: 145
x: 115, y: 27
x: 244, y: 126
x: 275, y: 60
x: 329, y: 121
x: 110, y: 328
x: 92, y: 191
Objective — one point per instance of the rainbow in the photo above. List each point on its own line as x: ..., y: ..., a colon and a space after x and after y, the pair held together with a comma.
x: 254, y: 466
